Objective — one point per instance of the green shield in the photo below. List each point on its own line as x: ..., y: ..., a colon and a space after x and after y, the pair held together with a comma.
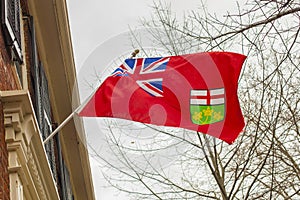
x: 207, y: 114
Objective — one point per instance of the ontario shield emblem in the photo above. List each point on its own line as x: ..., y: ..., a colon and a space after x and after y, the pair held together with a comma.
x: 207, y: 106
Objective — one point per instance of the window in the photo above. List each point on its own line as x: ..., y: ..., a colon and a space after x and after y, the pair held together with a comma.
x: 12, y: 28
x: 20, y: 193
x: 39, y: 91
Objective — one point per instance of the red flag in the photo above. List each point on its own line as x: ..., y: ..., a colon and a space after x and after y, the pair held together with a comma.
x: 193, y: 91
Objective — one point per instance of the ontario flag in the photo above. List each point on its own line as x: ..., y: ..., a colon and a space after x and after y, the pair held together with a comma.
x: 194, y: 91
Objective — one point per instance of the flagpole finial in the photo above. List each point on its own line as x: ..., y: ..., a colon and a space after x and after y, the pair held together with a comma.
x: 133, y: 54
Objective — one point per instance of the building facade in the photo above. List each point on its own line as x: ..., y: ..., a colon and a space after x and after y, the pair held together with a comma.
x: 37, y: 92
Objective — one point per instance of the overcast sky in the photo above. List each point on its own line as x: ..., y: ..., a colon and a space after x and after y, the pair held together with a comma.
x: 93, y: 22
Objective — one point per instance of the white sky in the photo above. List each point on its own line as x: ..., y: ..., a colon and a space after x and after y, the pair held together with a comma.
x: 95, y: 21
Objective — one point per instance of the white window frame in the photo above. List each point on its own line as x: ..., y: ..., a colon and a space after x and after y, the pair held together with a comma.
x: 11, y: 34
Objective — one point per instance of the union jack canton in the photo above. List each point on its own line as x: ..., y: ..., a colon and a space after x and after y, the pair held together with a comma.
x: 146, y: 72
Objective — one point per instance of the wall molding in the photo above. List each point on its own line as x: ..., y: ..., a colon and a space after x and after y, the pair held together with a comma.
x: 29, y: 171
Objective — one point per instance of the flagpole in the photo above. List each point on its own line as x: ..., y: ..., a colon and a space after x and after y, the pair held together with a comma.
x: 68, y: 118
x: 133, y: 54
x: 59, y: 127
x: 63, y: 124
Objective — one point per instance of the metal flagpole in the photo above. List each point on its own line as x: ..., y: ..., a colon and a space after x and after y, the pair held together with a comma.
x: 68, y: 118
x: 77, y: 109
x: 61, y: 126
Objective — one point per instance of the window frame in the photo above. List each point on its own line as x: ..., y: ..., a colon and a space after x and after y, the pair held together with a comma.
x: 12, y: 27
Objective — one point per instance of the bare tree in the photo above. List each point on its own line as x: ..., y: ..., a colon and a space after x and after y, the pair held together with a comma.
x: 264, y: 161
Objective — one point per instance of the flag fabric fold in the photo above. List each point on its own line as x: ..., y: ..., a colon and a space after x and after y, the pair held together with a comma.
x: 194, y: 91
